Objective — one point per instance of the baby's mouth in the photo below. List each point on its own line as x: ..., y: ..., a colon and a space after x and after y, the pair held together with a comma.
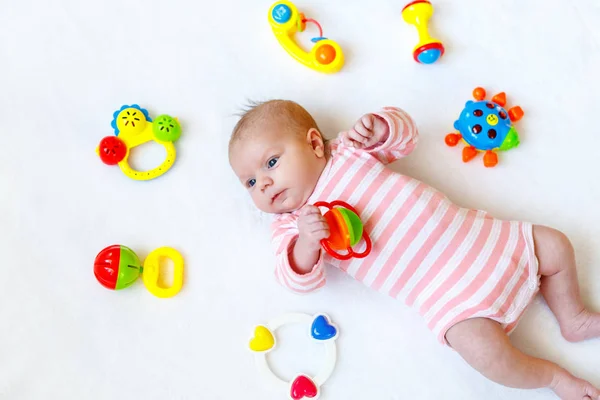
x: 274, y: 198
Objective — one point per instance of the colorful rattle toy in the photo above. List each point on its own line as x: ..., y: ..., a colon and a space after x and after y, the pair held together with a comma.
x: 321, y: 330
x: 346, y: 230
x: 428, y: 50
x: 486, y: 126
x: 117, y: 267
x: 325, y: 56
x: 134, y: 127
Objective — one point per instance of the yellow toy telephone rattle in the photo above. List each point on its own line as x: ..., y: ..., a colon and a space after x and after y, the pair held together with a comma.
x: 134, y: 127
x: 325, y: 56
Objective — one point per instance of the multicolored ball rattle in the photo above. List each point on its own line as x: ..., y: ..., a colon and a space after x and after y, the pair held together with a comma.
x: 133, y: 127
x: 428, y: 50
x: 321, y: 330
x: 346, y: 230
x: 325, y: 56
x: 485, y: 126
x: 117, y: 267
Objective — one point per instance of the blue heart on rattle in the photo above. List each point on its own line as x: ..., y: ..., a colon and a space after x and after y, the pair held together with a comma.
x: 322, y: 329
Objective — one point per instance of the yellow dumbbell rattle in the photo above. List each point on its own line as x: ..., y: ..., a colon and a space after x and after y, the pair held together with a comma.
x: 285, y: 19
x: 117, y: 267
x: 133, y: 127
x: 428, y: 50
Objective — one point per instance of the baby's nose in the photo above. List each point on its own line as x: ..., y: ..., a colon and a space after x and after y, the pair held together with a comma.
x: 265, y: 182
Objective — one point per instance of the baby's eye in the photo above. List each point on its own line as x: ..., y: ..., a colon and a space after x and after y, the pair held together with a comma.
x: 251, y: 182
x: 272, y: 162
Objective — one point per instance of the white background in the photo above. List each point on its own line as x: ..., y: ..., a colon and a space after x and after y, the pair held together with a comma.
x: 66, y: 65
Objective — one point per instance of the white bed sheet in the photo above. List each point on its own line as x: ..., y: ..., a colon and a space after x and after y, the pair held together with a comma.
x: 67, y: 65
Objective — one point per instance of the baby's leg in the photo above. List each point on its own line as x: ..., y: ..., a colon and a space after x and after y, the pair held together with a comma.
x: 485, y: 346
x: 560, y: 287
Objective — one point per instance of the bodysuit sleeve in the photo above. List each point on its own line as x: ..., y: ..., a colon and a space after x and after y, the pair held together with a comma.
x: 284, y: 236
x: 401, y: 139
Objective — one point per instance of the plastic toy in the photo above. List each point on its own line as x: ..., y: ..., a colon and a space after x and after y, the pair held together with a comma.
x: 133, y: 127
x: 117, y: 267
x: 346, y: 230
x: 428, y: 50
x: 485, y: 126
x: 321, y: 330
x: 325, y: 56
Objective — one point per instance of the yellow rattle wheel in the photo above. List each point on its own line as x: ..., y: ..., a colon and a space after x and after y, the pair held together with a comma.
x: 131, y: 121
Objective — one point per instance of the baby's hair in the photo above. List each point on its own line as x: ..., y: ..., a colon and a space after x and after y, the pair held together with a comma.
x: 294, y: 117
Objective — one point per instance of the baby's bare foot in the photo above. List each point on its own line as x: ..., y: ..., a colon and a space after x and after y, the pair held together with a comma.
x: 586, y: 325
x: 568, y: 387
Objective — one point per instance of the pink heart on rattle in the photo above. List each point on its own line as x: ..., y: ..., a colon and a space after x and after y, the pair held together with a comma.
x: 303, y: 387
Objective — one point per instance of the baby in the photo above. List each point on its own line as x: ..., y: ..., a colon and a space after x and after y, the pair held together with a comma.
x: 469, y: 275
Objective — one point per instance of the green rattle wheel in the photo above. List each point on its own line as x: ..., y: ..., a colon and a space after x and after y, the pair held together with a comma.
x: 166, y: 128
x: 353, y: 224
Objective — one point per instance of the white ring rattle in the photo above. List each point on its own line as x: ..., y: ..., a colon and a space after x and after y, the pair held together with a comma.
x: 321, y: 330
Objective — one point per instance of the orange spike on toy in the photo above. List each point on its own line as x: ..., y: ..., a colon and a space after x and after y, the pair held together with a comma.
x: 500, y: 99
x: 479, y: 93
x: 469, y: 153
x: 515, y: 113
x: 490, y: 159
x: 452, y: 139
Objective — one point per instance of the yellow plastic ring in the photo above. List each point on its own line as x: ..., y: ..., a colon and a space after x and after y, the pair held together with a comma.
x: 151, y: 270
x: 153, y: 173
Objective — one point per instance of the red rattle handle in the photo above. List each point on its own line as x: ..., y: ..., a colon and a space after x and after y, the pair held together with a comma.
x: 326, y: 242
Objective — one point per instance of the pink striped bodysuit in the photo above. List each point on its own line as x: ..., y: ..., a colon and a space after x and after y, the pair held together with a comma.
x: 449, y: 262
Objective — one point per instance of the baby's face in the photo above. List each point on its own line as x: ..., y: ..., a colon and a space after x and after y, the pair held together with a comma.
x: 280, y: 169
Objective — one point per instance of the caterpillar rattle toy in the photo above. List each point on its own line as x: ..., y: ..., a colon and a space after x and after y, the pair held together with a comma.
x: 486, y: 126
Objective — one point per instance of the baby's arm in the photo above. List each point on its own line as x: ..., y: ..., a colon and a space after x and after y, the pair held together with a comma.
x: 388, y: 135
x: 299, y: 266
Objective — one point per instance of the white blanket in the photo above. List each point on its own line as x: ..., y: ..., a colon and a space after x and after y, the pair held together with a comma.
x: 66, y: 65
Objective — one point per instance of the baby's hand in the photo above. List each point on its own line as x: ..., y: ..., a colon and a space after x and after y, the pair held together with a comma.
x: 368, y: 131
x: 312, y: 226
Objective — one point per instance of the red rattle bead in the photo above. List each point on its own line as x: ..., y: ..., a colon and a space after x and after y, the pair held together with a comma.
x: 112, y: 150
x: 346, y: 230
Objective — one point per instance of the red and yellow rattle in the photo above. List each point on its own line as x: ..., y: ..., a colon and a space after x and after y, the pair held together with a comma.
x: 346, y: 230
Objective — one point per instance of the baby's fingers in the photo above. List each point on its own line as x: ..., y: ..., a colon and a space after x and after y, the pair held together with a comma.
x: 317, y: 224
x: 356, y: 139
x: 310, y: 209
x: 322, y: 233
x: 363, y: 131
x: 368, y: 121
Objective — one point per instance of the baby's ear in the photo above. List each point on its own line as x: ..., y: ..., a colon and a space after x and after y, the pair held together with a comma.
x: 315, y: 140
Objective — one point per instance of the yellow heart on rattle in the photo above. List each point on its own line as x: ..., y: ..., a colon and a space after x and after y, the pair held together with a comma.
x: 263, y: 339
